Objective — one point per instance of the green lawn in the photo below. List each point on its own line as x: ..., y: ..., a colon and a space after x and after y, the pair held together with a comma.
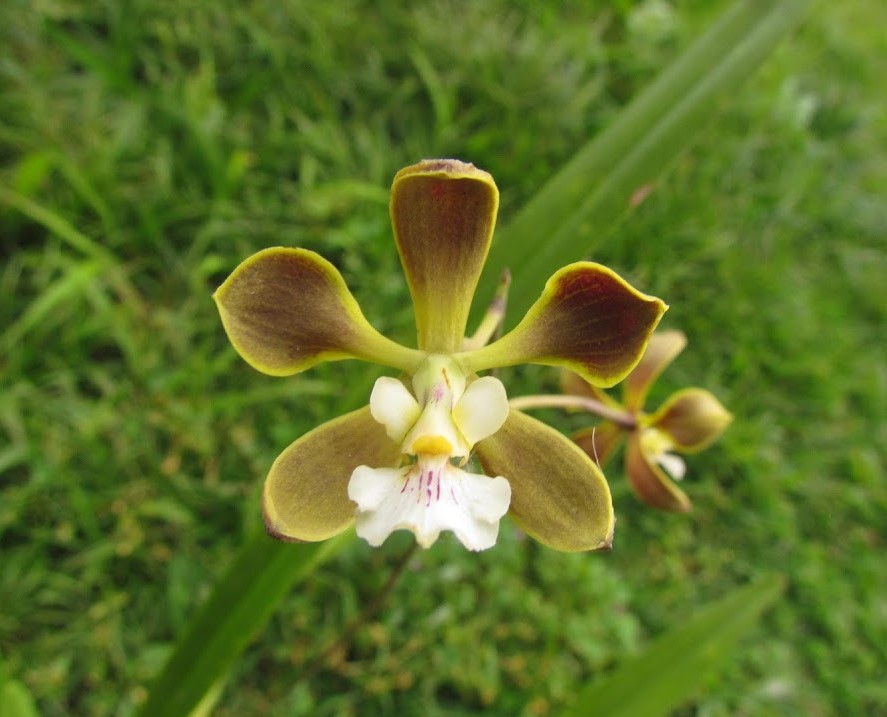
x: 148, y: 147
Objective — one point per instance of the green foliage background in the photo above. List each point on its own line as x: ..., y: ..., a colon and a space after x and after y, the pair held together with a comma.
x: 148, y: 147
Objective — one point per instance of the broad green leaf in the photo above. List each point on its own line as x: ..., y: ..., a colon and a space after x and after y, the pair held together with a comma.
x: 242, y: 602
x: 678, y: 665
x: 576, y: 209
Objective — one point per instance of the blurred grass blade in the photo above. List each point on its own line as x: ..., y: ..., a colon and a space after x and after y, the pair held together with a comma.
x: 78, y: 276
x: 677, y: 665
x: 241, y: 603
x: 56, y: 224
x: 64, y: 230
x: 584, y: 201
x: 15, y: 699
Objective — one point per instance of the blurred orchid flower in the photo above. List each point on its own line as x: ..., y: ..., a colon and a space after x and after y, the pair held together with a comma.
x: 399, y: 463
x: 688, y: 421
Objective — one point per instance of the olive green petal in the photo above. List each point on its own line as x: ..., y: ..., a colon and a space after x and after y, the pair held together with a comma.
x: 650, y: 482
x: 588, y: 319
x: 663, y: 348
x: 306, y: 493
x: 285, y: 310
x: 600, y: 441
x: 558, y: 495
x: 443, y: 212
x: 692, y: 418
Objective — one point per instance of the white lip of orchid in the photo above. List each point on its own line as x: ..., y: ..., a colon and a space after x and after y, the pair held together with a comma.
x: 392, y: 405
x: 426, y: 498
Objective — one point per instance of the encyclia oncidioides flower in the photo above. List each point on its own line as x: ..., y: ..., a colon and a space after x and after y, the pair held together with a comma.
x: 400, y: 463
x: 689, y: 420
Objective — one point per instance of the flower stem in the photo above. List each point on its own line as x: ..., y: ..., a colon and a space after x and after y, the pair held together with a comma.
x: 620, y: 418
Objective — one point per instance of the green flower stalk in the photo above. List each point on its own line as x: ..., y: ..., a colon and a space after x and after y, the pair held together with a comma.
x: 690, y: 420
x: 399, y: 463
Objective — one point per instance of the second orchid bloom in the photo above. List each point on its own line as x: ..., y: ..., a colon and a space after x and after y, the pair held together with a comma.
x: 688, y: 421
x: 401, y: 462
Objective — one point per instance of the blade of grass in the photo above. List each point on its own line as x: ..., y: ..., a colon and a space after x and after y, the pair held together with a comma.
x: 679, y: 663
x: 77, y: 276
x: 64, y: 230
x: 55, y: 224
x: 242, y: 602
x: 585, y: 200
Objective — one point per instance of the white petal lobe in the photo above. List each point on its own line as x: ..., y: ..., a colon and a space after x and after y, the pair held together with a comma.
x: 481, y: 410
x: 429, y: 497
x: 394, y: 407
x: 369, y: 487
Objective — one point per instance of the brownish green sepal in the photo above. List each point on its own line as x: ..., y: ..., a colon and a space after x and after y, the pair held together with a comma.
x: 306, y: 492
x: 649, y: 481
x: 599, y: 442
x: 588, y: 319
x: 663, y: 348
x: 443, y: 212
x: 572, y: 384
x: 692, y: 419
x: 558, y: 496
x: 285, y: 310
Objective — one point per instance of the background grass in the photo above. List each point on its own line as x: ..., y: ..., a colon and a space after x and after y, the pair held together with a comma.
x: 148, y: 147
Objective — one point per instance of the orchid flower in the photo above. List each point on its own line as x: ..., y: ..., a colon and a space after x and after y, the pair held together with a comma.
x: 402, y: 462
x: 690, y: 420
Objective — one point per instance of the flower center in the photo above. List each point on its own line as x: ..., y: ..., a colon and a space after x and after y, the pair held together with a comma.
x: 433, y: 445
x: 450, y: 415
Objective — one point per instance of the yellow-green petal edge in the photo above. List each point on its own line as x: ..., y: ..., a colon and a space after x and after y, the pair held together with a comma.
x: 588, y: 319
x: 306, y: 492
x: 692, y: 418
x: 443, y: 212
x: 286, y: 309
x: 558, y: 495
